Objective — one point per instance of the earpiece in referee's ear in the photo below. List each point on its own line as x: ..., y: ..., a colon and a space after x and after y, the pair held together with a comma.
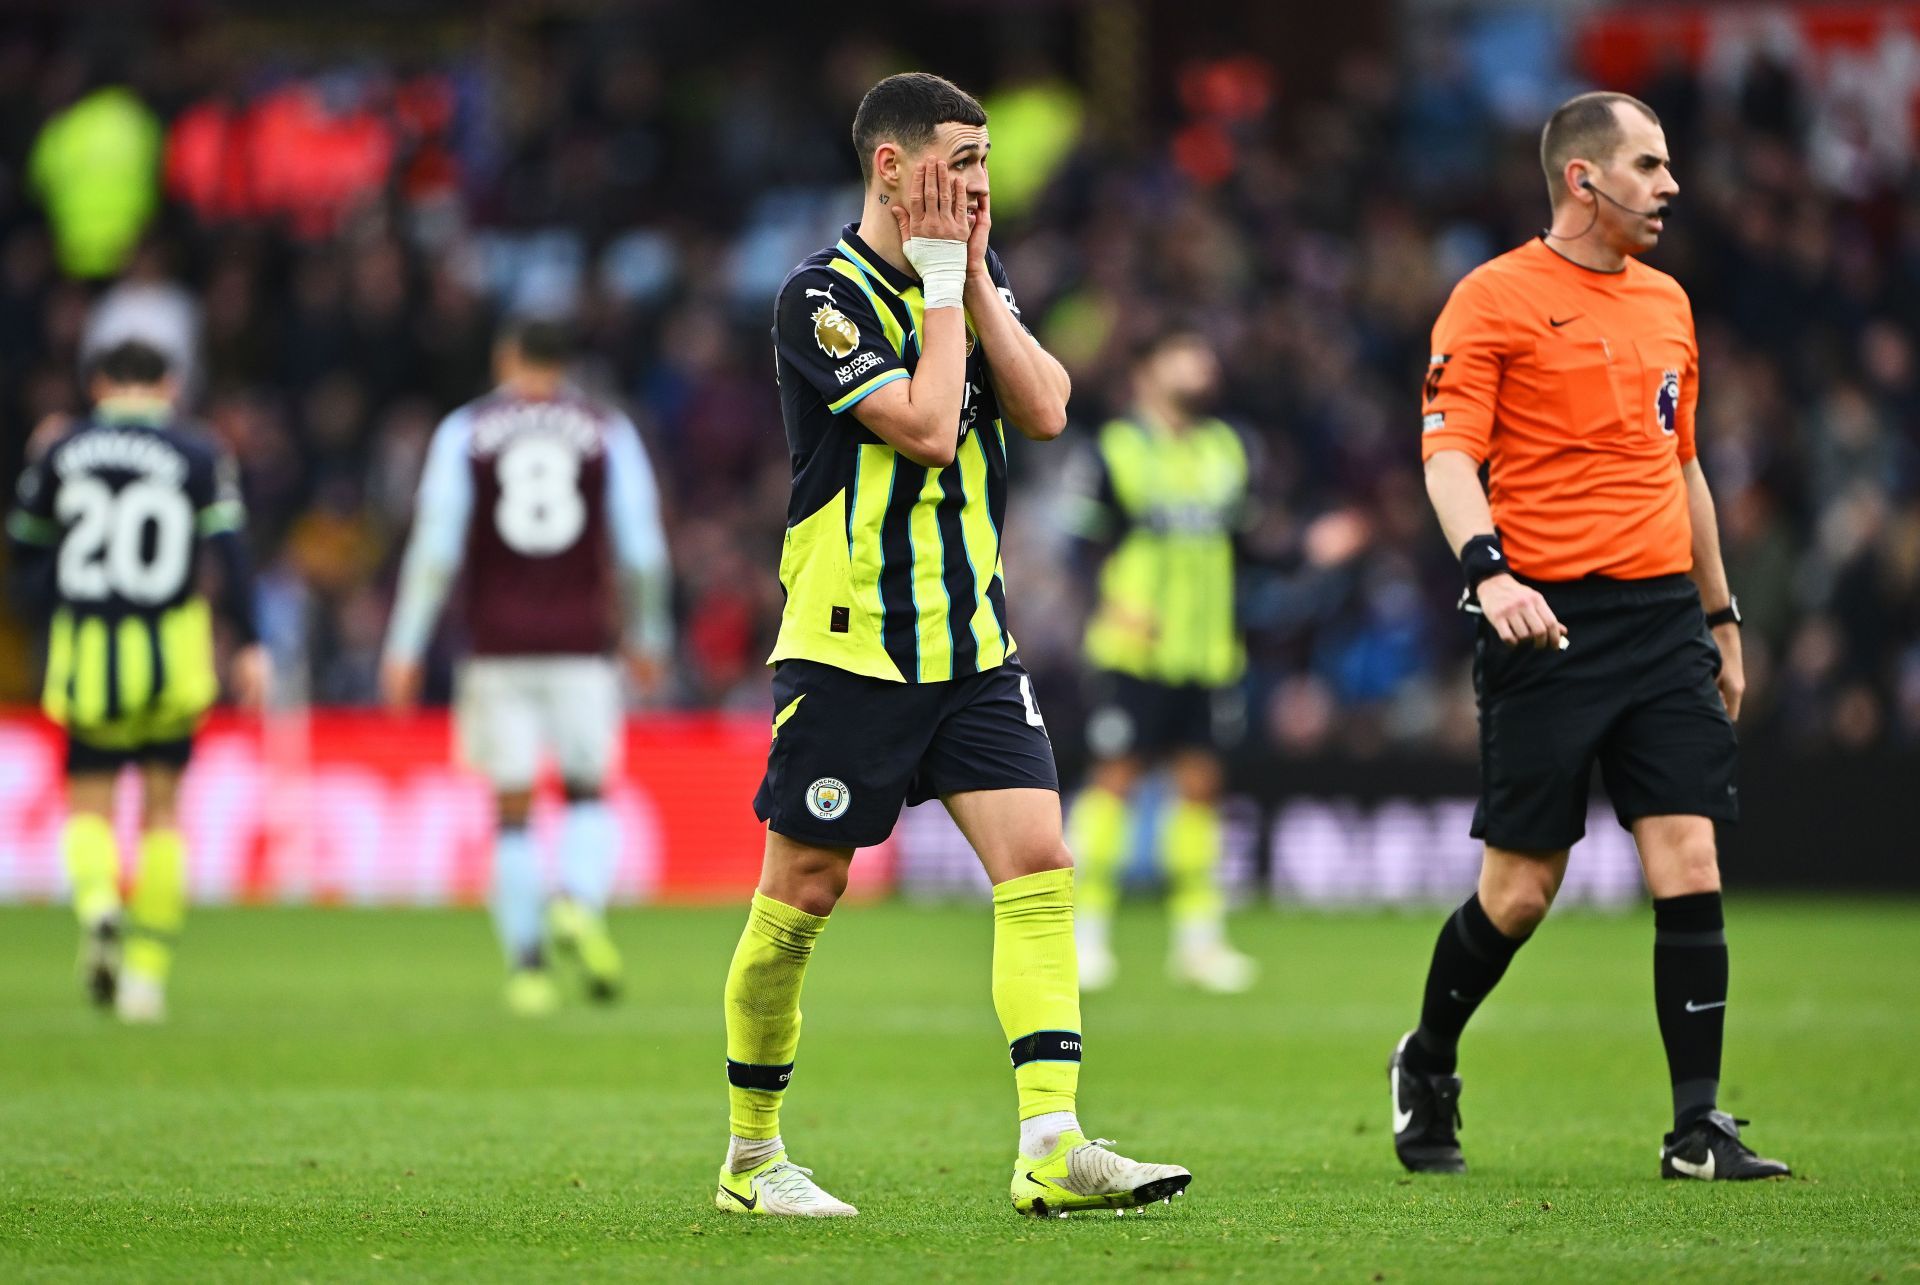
x: 1586, y: 182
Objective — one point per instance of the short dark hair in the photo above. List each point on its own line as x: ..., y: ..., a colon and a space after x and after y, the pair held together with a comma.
x: 906, y: 109
x: 542, y: 341
x: 1155, y: 343
x: 1584, y: 126
x: 129, y: 362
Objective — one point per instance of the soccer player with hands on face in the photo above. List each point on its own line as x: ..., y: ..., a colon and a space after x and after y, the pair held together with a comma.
x: 902, y: 360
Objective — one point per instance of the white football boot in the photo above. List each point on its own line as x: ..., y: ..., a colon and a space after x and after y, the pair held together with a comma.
x: 1081, y: 1173
x: 778, y: 1186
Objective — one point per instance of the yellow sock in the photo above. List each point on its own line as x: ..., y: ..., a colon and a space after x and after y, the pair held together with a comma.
x: 158, y: 909
x: 93, y: 866
x: 1192, y: 843
x: 763, y: 1012
x: 1097, y: 832
x: 1036, y: 987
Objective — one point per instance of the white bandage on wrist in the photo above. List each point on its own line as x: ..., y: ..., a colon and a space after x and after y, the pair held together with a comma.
x: 942, y: 266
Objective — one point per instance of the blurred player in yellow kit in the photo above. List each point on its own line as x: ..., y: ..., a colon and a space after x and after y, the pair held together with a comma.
x: 107, y: 535
x: 1158, y: 508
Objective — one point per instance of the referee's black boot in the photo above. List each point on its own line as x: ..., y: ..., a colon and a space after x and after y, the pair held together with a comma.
x: 1426, y: 1116
x: 1710, y: 1150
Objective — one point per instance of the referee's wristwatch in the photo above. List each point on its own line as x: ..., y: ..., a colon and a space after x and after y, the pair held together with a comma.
x: 1727, y: 615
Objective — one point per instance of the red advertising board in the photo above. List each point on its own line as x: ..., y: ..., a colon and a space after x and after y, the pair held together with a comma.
x: 1623, y: 46
x: 359, y: 806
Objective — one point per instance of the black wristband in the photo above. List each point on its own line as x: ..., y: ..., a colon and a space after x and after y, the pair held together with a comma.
x: 1727, y: 615
x: 1482, y: 557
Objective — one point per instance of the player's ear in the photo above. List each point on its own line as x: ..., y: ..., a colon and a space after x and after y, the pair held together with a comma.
x: 887, y: 164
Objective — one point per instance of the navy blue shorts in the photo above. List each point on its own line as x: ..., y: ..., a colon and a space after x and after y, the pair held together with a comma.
x: 85, y: 756
x: 1133, y: 717
x: 849, y: 751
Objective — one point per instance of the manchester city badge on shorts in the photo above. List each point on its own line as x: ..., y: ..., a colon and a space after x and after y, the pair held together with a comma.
x: 828, y: 798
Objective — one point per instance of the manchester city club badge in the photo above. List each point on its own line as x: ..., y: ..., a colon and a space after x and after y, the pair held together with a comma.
x: 827, y: 798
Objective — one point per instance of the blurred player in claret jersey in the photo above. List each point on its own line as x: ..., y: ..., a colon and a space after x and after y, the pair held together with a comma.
x: 548, y: 500
x: 107, y: 537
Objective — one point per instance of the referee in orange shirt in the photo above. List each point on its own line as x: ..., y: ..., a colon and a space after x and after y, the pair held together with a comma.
x: 1607, y: 632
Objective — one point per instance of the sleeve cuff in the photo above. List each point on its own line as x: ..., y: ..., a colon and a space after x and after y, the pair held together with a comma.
x: 1431, y: 444
x: 854, y: 397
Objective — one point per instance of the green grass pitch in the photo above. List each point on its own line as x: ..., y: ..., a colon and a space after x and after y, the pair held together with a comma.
x: 340, y: 1096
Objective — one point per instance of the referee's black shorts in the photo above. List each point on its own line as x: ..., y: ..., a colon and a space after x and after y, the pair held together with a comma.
x: 1635, y: 691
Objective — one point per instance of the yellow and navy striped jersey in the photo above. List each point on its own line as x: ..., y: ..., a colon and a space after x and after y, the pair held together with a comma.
x: 1170, y: 506
x: 891, y: 569
x: 108, y: 530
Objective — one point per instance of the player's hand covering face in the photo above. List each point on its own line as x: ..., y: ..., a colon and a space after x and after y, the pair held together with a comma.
x: 957, y: 155
x: 935, y: 204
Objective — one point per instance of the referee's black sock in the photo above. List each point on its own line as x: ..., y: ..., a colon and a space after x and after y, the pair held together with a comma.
x: 1469, y: 959
x: 1690, y: 995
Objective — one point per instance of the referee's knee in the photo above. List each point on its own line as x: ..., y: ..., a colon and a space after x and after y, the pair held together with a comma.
x: 1517, y: 889
x: 1517, y: 911
x: 1679, y: 854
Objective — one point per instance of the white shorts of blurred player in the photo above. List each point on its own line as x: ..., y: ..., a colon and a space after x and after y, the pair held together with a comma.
x: 510, y: 710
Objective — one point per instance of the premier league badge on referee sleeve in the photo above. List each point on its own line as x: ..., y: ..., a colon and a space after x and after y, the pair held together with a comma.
x: 827, y: 798
x: 1666, y: 405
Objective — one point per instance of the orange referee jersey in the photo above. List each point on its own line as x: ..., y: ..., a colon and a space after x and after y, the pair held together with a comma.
x: 1577, y: 389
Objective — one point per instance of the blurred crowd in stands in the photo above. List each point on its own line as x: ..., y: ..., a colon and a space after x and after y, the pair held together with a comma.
x: 328, y: 245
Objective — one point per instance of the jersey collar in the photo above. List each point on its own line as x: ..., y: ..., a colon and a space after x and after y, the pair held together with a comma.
x: 1580, y: 268
x: 876, y: 268
x: 147, y: 412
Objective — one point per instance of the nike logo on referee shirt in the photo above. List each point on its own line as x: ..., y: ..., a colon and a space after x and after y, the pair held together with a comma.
x: 1563, y: 321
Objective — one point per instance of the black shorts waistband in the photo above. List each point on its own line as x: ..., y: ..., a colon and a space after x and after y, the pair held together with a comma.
x: 1602, y: 593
